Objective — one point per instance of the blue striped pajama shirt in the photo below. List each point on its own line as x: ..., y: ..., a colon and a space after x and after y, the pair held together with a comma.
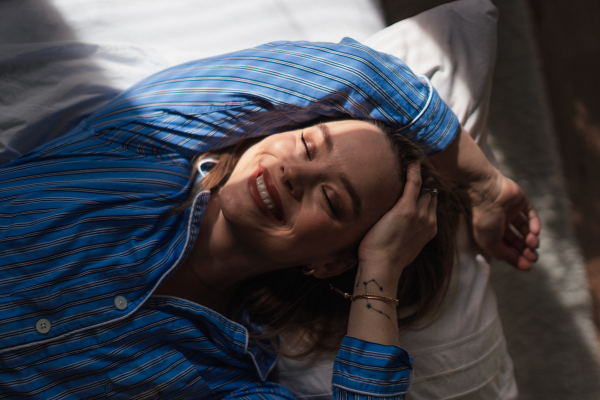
x: 87, y: 228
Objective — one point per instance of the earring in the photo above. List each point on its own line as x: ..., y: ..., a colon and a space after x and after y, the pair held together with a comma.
x: 307, y: 271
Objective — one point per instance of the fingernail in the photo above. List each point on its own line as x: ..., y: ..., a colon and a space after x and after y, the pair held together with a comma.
x: 434, y: 191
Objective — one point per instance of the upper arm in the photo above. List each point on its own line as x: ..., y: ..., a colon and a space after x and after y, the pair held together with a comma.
x: 216, y: 102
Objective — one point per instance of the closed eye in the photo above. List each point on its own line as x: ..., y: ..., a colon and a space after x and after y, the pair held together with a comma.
x: 334, y: 212
x: 305, y: 147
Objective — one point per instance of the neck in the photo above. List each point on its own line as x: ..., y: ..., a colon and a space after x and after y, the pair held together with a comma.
x: 215, y: 267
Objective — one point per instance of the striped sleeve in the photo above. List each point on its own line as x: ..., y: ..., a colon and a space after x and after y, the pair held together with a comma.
x: 215, y: 102
x: 366, y: 369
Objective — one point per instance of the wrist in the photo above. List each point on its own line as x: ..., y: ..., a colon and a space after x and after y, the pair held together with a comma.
x: 485, y: 189
x: 464, y: 162
x: 386, y: 266
x: 366, y: 296
x: 380, y: 282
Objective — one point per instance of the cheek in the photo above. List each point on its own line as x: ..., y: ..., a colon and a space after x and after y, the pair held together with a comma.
x: 313, y: 227
x: 308, y: 237
x: 316, y: 234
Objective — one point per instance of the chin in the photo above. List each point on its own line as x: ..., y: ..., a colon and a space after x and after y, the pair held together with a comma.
x: 248, y: 227
x: 232, y: 205
x: 240, y: 214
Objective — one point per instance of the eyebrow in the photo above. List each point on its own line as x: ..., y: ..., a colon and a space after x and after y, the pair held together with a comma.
x: 356, y: 203
x: 326, y: 136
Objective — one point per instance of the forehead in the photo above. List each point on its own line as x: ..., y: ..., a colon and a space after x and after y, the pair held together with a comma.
x: 363, y: 153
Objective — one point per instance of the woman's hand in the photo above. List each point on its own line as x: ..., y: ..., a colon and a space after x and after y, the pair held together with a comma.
x: 398, y: 237
x: 389, y: 246
x: 505, y: 224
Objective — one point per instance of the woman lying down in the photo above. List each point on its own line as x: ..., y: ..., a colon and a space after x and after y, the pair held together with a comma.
x: 161, y: 248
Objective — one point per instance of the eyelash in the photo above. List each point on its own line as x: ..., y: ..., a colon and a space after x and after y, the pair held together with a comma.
x: 329, y: 202
x: 323, y: 189
x: 306, y: 147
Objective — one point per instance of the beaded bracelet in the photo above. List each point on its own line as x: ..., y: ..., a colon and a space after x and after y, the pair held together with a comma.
x: 353, y: 297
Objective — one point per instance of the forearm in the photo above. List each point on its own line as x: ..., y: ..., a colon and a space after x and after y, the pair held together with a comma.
x: 505, y: 224
x: 374, y: 320
x: 464, y: 162
x: 213, y: 103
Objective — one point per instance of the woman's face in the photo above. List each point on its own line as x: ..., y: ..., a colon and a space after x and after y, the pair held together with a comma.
x: 302, y: 196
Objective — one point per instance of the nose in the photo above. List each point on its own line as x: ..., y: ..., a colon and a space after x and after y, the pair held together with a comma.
x: 299, y: 177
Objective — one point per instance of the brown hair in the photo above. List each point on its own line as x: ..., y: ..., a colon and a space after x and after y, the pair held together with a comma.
x: 287, y: 302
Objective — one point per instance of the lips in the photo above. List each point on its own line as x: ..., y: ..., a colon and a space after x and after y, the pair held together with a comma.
x: 269, y: 203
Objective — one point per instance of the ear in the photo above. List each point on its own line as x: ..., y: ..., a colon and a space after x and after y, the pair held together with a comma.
x: 327, y: 269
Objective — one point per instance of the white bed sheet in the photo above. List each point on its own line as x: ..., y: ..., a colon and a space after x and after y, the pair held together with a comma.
x: 62, y: 59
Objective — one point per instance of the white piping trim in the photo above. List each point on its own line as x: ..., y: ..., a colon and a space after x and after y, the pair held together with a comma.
x: 205, y: 161
x: 430, y: 86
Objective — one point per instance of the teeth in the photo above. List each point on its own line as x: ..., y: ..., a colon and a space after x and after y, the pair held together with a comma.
x: 262, y: 190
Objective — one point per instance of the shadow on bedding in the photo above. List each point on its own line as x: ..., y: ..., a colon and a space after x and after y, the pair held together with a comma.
x: 48, y: 81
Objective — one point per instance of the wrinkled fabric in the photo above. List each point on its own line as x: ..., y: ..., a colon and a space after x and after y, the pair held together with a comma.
x: 88, y: 227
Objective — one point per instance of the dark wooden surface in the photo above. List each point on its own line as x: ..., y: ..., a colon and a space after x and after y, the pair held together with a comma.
x: 568, y: 36
x: 396, y: 10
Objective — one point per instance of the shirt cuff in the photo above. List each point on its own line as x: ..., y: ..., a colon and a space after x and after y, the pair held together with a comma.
x: 436, y: 126
x: 371, y: 369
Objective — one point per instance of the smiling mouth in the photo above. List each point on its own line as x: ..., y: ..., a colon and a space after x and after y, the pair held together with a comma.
x: 264, y: 195
x: 264, y: 192
x: 266, y: 198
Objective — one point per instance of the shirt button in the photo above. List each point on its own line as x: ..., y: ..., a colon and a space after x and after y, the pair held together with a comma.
x: 120, y: 303
x: 43, y: 326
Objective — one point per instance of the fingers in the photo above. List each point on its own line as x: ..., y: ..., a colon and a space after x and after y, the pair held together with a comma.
x: 514, y: 239
x: 535, y: 226
x: 521, y: 237
x: 423, y: 204
x: 534, y: 221
x: 431, y: 213
x: 401, y: 233
x: 521, y: 223
x: 433, y: 204
x: 426, y: 202
x: 508, y: 254
x: 508, y: 227
x: 528, y: 226
x: 412, y: 187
